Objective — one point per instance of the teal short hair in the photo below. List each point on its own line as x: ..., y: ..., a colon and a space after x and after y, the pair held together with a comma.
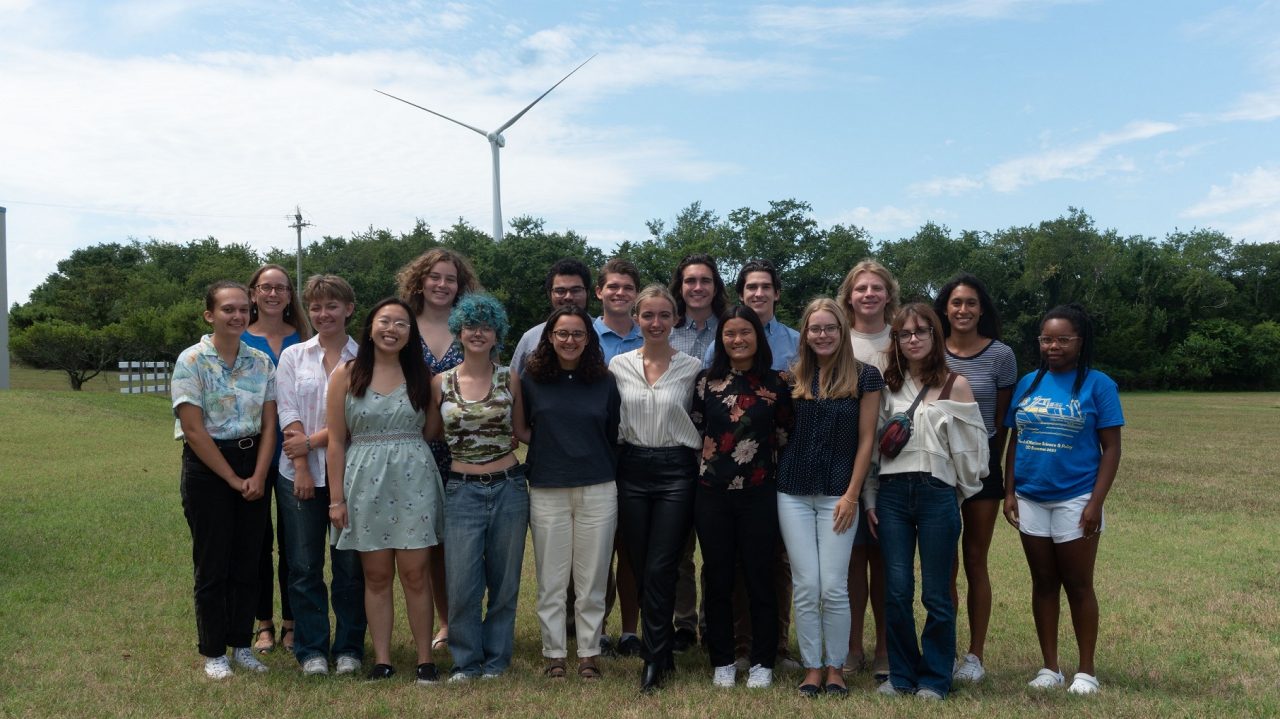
x: 480, y: 308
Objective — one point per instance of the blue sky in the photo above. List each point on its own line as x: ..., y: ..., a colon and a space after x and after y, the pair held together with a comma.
x: 180, y: 119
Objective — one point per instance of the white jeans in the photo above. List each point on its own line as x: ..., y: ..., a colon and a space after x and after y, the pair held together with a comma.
x: 573, y: 531
x: 819, y: 577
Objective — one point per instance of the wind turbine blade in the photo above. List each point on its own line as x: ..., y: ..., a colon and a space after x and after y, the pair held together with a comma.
x: 433, y: 112
x: 520, y: 114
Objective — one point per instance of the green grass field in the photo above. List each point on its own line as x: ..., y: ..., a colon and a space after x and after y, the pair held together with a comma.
x: 96, y: 614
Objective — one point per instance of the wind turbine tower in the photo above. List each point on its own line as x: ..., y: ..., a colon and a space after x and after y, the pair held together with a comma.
x: 496, y: 142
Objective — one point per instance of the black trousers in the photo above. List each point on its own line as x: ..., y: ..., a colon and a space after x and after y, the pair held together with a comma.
x: 226, y: 539
x: 655, y: 512
x: 269, y: 575
x: 739, y: 528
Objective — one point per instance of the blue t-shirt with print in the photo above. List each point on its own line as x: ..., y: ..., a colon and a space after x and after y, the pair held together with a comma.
x: 1058, y: 452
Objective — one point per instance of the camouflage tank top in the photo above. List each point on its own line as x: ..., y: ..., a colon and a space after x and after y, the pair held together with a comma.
x: 480, y: 431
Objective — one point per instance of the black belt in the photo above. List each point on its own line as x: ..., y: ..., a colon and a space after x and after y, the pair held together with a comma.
x: 241, y: 443
x: 511, y: 472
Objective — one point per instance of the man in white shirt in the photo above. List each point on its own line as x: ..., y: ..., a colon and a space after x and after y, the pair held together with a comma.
x: 567, y: 282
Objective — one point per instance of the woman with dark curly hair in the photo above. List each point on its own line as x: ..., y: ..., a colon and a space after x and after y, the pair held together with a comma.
x: 432, y: 284
x: 486, y: 494
x: 572, y: 408
x: 1064, y: 451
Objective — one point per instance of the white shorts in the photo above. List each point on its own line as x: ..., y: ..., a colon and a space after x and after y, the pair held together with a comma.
x: 1059, y: 520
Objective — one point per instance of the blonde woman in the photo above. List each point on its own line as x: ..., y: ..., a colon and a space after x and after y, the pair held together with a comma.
x: 656, y: 469
x: 836, y: 400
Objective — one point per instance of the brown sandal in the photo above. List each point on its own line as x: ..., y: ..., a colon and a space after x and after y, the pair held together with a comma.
x: 554, y: 669
x: 264, y: 646
x: 587, y: 669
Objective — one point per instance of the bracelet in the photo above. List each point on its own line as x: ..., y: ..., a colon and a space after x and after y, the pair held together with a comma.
x: 850, y: 501
x: 337, y: 504
x: 308, y: 443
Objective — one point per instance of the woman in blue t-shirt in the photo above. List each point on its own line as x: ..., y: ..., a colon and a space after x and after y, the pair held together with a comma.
x: 1064, y: 449
x: 276, y: 321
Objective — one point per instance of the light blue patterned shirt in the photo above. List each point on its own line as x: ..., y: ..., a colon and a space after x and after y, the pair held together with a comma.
x: 230, y: 398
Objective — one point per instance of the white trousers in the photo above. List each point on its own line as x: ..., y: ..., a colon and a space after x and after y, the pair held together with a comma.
x: 573, y: 532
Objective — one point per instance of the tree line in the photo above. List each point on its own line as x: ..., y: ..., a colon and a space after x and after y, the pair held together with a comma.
x: 1193, y: 310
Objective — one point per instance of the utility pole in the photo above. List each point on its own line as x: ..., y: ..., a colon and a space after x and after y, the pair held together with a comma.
x: 298, y: 224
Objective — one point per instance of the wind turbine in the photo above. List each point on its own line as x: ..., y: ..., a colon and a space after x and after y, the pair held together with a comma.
x: 496, y: 142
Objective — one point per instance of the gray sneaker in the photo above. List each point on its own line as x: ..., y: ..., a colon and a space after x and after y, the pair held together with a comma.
x: 346, y: 664
x: 315, y: 666
x: 928, y: 695
x: 244, y: 657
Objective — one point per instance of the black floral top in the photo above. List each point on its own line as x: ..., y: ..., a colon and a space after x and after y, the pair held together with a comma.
x: 819, y: 460
x: 744, y: 420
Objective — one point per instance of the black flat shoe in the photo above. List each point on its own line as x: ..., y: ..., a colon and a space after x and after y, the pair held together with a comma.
x: 810, y: 691
x: 651, y: 677
x: 381, y: 671
x: 837, y: 690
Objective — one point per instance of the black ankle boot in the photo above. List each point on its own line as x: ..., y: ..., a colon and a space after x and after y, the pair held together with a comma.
x: 651, y: 677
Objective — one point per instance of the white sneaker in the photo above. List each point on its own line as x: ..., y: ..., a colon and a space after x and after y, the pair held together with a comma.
x: 1047, y: 679
x: 760, y: 677
x: 969, y: 669
x: 490, y: 675
x: 1084, y: 684
x: 346, y: 664
x: 217, y: 668
x: 724, y: 676
x: 887, y: 689
x: 315, y: 666
x: 458, y: 678
x: 245, y: 658
x: 928, y: 694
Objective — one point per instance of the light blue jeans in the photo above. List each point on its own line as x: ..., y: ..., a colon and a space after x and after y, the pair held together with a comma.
x: 819, y: 576
x: 485, y: 523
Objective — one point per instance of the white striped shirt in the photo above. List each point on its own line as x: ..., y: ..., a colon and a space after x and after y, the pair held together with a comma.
x: 301, y: 388
x: 656, y: 415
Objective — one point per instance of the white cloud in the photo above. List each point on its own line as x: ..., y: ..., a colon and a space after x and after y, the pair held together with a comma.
x: 1263, y: 227
x: 1249, y: 191
x: 1084, y: 160
x: 881, y: 220
x: 1257, y: 106
x: 883, y: 19
x: 950, y: 186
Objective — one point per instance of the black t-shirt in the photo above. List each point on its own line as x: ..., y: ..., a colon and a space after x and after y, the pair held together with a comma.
x: 575, y: 430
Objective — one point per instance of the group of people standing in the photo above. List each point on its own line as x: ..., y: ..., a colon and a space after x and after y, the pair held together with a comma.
x: 812, y: 465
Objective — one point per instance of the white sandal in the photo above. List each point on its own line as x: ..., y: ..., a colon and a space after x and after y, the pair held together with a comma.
x: 1047, y: 678
x: 1084, y: 684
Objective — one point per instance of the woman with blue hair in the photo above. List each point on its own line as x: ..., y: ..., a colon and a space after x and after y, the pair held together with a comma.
x: 486, y: 494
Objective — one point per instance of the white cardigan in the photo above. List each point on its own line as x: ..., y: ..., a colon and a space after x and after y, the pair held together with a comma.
x: 948, y: 441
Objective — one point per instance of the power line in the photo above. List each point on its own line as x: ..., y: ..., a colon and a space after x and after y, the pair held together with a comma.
x: 148, y: 213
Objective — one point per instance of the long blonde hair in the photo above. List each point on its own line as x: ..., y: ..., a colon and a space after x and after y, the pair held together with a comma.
x: 879, y: 270
x: 837, y: 380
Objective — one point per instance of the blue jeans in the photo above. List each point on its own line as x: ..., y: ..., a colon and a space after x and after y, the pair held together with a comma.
x: 819, y: 576
x: 914, y: 507
x: 485, y: 523
x: 305, y: 525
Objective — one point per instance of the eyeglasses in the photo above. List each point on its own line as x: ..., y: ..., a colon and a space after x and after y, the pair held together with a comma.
x: 267, y: 289
x: 819, y: 330
x: 566, y: 335
x: 478, y: 329
x: 1047, y: 341
x: 383, y: 323
x: 566, y: 291
x: 922, y: 334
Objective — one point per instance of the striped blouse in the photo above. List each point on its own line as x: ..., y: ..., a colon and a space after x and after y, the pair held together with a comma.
x: 656, y: 415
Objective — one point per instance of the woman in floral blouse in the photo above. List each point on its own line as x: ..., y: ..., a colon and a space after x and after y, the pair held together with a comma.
x: 743, y: 410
